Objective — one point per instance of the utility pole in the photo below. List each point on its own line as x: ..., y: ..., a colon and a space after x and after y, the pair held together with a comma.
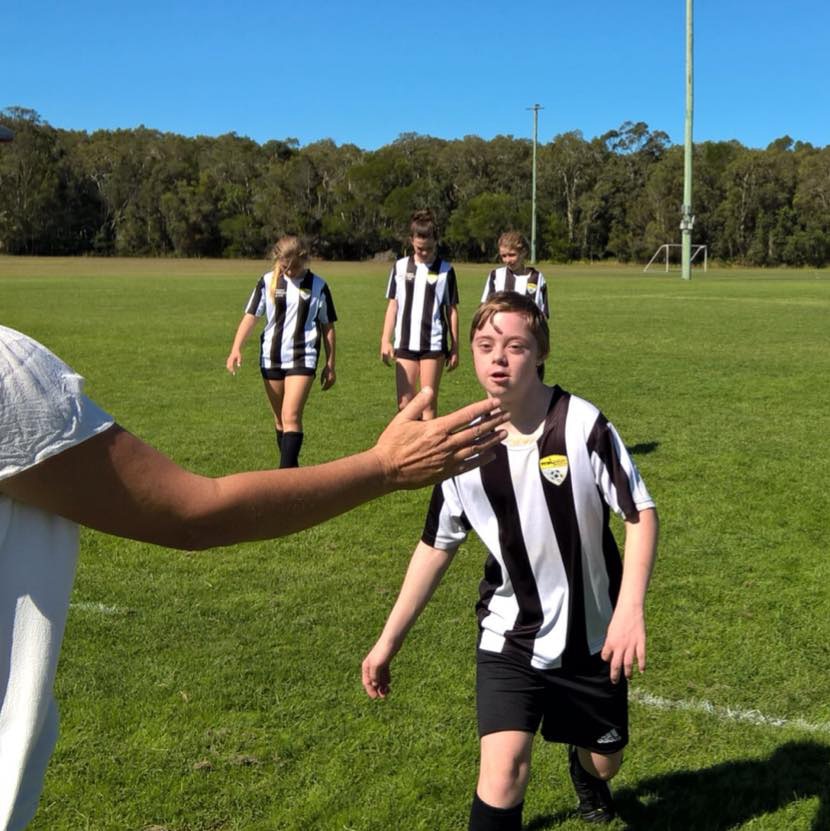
x: 535, y: 109
x: 687, y: 221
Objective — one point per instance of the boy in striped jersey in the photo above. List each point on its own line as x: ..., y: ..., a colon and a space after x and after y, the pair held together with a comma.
x: 299, y: 314
x: 514, y: 275
x: 420, y: 329
x: 561, y: 619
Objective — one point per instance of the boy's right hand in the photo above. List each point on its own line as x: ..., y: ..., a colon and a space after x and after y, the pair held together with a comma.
x: 376, y: 674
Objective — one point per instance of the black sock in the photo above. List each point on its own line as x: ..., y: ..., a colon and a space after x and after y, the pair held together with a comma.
x: 484, y: 817
x: 290, y: 449
x: 279, y: 438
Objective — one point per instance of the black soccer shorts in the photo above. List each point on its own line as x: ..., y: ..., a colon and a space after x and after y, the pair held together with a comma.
x: 574, y: 706
x: 274, y: 374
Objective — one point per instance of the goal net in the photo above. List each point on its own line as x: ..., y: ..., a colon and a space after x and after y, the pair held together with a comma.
x: 670, y: 253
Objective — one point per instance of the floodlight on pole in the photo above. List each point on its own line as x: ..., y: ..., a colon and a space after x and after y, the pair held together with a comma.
x: 535, y: 108
x: 687, y: 220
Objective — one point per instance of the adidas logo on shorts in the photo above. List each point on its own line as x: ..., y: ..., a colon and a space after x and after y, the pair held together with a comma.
x: 611, y: 736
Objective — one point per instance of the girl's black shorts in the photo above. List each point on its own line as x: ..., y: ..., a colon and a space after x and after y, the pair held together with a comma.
x: 280, y: 374
x: 418, y: 355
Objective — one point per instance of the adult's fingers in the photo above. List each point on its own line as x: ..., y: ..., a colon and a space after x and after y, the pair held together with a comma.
x: 415, y: 408
x: 461, y: 419
x: 481, y: 427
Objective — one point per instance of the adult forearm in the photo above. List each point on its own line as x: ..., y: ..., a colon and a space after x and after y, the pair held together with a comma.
x: 264, y: 504
x: 118, y: 484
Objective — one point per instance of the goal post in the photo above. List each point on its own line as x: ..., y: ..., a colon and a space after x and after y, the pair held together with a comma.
x: 666, y: 251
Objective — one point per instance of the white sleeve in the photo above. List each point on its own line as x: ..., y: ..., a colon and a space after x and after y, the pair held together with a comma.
x: 43, y: 409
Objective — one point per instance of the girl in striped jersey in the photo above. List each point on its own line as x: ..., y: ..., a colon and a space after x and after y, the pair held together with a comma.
x: 420, y: 330
x: 561, y: 619
x: 514, y: 275
x: 299, y: 313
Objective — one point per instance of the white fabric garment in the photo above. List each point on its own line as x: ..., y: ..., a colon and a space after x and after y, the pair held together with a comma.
x: 43, y: 412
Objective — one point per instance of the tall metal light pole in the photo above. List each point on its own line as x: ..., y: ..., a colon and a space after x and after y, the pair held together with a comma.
x: 535, y: 109
x: 687, y: 221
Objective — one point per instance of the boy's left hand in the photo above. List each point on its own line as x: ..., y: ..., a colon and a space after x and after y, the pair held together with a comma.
x: 625, y: 641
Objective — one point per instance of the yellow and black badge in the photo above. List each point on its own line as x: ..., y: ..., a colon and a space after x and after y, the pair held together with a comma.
x: 554, y: 469
x: 531, y: 288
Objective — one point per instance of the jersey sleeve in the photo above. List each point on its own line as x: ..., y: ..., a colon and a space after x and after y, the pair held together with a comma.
x: 256, y: 302
x: 451, y: 291
x: 615, y: 473
x: 489, y: 286
x: 446, y: 525
x: 43, y: 408
x: 542, y: 295
x: 391, y: 287
x: 327, y: 314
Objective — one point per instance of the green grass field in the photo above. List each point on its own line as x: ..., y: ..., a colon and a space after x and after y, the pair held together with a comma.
x: 220, y: 691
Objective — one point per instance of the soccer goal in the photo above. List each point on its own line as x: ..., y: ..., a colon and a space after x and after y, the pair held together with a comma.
x: 666, y: 252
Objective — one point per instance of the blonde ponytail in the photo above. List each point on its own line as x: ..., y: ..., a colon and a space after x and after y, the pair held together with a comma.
x: 287, y: 247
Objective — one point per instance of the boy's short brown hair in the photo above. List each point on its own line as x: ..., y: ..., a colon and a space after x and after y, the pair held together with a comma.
x: 515, y: 240
x: 512, y: 301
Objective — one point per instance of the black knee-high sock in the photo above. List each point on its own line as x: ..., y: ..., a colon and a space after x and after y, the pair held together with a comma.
x: 484, y: 817
x: 279, y: 438
x: 290, y: 449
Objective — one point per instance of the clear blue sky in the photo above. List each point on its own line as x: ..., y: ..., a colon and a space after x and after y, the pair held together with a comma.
x: 364, y: 72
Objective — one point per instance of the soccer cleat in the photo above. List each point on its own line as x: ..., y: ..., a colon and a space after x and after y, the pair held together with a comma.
x: 595, y: 801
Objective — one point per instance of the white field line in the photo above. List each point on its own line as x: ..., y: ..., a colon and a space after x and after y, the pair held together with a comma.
x: 722, y: 713
x: 100, y: 608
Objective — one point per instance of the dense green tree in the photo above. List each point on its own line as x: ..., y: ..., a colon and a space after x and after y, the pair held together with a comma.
x: 31, y: 170
x: 618, y: 196
x: 475, y: 227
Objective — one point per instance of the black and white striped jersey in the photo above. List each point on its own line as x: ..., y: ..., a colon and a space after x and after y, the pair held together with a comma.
x: 293, y: 319
x: 424, y: 294
x: 532, y: 284
x: 542, y: 510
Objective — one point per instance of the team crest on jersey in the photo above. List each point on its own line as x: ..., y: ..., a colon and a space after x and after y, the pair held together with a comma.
x: 432, y: 277
x: 531, y: 288
x: 305, y: 294
x: 554, y: 469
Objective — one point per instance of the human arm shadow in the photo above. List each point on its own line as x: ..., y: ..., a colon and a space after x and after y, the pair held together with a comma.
x: 725, y: 795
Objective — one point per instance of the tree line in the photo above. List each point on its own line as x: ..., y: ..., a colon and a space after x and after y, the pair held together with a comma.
x: 616, y: 196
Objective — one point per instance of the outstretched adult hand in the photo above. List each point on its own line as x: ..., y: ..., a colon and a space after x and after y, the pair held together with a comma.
x: 416, y: 453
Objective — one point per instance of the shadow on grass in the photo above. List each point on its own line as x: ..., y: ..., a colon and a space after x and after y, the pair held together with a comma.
x: 643, y: 448
x: 722, y: 796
